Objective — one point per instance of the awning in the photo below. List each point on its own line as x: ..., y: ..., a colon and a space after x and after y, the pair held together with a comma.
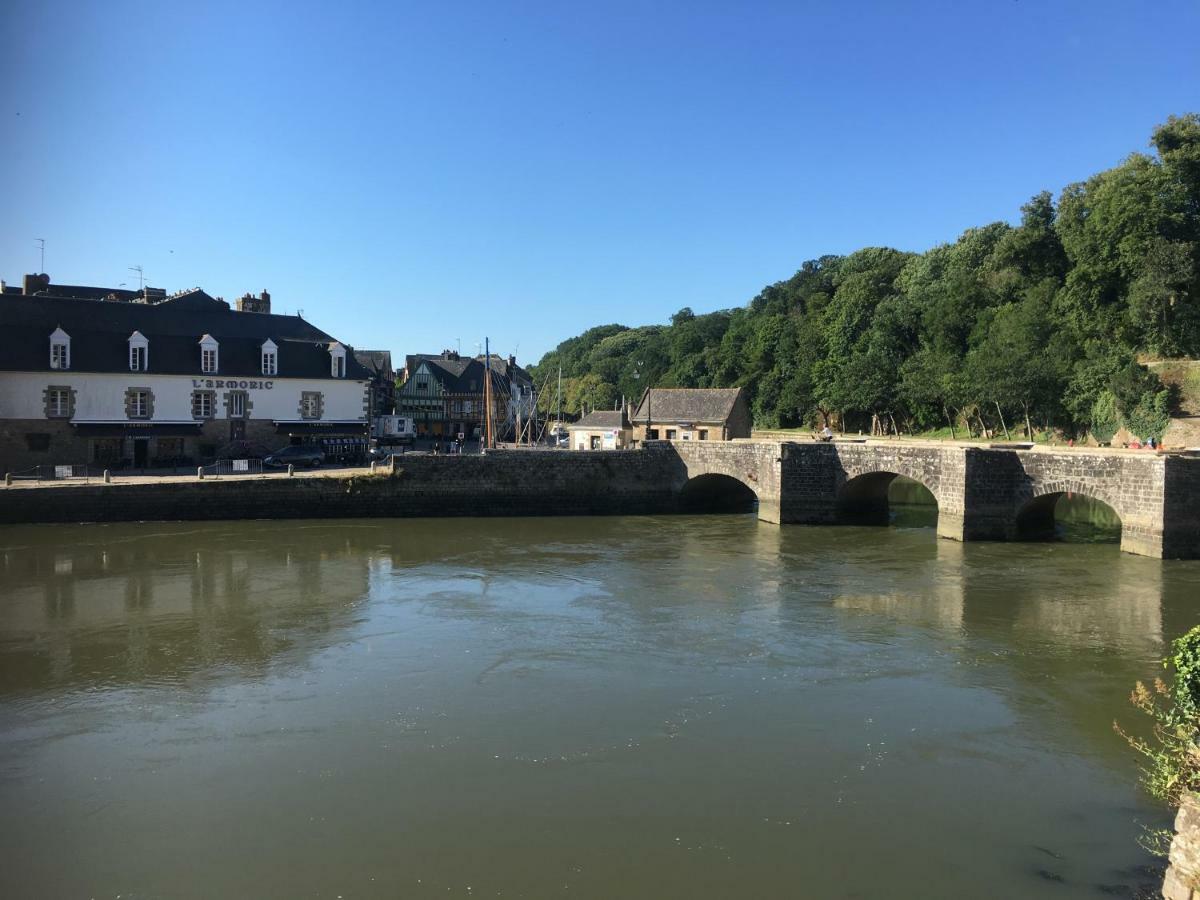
x: 356, y: 428
x: 137, y: 429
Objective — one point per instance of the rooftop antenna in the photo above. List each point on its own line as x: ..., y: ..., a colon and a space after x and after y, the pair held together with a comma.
x: 141, y: 276
x: 42, y: 241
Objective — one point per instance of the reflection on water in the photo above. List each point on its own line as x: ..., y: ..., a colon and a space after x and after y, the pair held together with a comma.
x: 911, y: 504
x: 1081, y: 519
x: 678, y: 706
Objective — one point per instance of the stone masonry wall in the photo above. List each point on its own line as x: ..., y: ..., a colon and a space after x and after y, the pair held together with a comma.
x: 1182, y: 881
x: 509, y: 483
x: 1001, y: 483
x: 814, y: 476
x: 754, y: 464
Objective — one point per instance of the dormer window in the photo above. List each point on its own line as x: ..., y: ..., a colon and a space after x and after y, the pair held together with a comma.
x: 139, y: 352
x: 270, y: 358
x: 208, y: 355
x: 337, y: 360
x: 60, y: 350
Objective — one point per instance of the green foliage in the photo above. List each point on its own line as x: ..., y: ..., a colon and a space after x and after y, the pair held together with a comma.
x: 1171, y: 752
x: 1185, y: 688
x: 1106, y: 418
x: 1042, y: 323
x: 1150, y: 417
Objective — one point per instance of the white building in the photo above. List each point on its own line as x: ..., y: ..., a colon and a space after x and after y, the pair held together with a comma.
x: 601, y: 429
x: 91, y: 375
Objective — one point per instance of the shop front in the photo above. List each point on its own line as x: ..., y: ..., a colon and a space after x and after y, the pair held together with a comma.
x: 343, y: 442
x: 139, y: 445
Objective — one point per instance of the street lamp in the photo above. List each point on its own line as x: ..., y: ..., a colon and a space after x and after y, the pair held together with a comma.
x: 638, y: 375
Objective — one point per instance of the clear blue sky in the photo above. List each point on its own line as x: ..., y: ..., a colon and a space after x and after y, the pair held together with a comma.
x: 409, y: 175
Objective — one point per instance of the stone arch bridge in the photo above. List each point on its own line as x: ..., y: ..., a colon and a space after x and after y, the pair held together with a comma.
x: 982, y: 493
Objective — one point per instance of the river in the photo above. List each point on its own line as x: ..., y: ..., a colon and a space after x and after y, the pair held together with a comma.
x: 692, y: 707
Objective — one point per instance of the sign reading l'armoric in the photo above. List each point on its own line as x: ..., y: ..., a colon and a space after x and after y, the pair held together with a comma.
x: 232, y: 384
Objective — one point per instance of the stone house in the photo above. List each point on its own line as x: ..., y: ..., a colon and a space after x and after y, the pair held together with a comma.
x: 601, y: 429
x: 111, y: 378
x: 692, y: 414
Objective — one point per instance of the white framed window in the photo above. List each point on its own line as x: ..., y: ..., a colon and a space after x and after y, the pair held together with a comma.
x: 310, y: 405
x: 208, y: 355
x: 58, y: 403
x: 139, y: 404
x: 202, y: 404
x: 237, y: 405
x: 139, y: 353
x: 60, y: 350
x: 270, y: 358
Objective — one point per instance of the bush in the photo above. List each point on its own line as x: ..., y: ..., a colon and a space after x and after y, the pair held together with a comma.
x: 1106, y: 418
x: 1171, y: 764
x: 1151, y: 416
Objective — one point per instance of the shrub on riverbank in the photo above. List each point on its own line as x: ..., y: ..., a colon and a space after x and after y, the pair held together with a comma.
x: 1171, y: 752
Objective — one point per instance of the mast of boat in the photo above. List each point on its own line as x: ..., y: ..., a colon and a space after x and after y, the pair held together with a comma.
x: 487, y: 394
x: 559, y: 401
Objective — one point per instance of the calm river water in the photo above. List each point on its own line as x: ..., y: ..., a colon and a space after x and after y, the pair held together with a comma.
x: 691, y: 707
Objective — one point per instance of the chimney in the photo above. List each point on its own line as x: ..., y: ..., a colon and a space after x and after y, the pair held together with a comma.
x: 512, y: 361
x: 260, y: 304
x: 31, y: 284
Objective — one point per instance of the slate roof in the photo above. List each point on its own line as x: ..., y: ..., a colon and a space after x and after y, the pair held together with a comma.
x: 688, y: 404
x: 601, y: 420
x: 99, y: 331
x: 375, y: 360
x: 463, y: 374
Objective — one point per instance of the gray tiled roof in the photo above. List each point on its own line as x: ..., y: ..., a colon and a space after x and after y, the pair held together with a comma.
x: 375, y: 360
x: 99, y: 331
x: 601, y: 420
x: 464, y: 374
x: 688, y: 404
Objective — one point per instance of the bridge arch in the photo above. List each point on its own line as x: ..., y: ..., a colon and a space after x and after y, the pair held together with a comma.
x: 862, y: 497
x: 1035, y: 518
x: 717, y: 492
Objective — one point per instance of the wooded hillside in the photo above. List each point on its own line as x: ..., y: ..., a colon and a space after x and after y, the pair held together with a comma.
x: 1041, y: 323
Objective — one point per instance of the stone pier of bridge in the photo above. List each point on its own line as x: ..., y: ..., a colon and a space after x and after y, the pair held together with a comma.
x: 982, y: 493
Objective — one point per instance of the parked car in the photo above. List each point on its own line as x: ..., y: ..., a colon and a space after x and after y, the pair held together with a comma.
x: 383, y: 453
x: 296, y: 455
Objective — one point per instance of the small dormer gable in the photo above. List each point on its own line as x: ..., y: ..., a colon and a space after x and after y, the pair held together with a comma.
x: 60, y: 349
x: 337, y: 359
x: 270, y: 357
x: 209, y: 361
x: 139, y: 352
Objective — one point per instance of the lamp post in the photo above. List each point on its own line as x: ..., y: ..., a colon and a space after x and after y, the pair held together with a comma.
x: 649, y: 418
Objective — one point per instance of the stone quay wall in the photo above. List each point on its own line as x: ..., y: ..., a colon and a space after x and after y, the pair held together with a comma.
x: 506, y: 483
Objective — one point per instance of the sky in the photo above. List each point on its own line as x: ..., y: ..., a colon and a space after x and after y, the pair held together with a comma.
x: 415, y: 177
